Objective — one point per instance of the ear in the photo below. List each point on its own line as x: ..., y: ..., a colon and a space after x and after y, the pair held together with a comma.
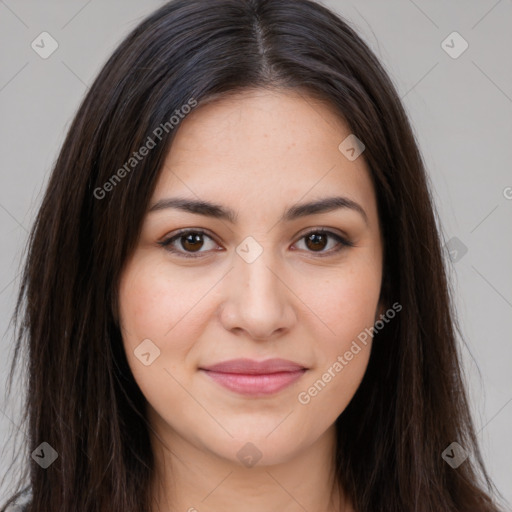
x: 385, y: 290
x: 114, y: 308
x: 381, y: 308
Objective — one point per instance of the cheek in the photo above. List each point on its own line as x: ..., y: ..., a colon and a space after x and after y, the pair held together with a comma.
x: 348, y: 309
x: 159, y: 307
x: 162, y: 308
x: 345, y: 303
x: 154, y: 302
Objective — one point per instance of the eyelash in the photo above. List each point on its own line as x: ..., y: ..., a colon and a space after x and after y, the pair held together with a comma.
x: 168, y: 247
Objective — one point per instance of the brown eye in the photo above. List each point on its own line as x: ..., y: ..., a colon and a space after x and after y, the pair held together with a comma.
x: 316, y: 241
x: 190, y: 243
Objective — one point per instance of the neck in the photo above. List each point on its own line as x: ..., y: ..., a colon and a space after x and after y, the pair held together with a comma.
x: 188, y: 478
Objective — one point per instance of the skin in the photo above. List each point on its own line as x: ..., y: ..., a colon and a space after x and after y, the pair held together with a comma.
x: 258, y: 153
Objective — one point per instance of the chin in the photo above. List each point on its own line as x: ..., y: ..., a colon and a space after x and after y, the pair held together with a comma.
x: 254, y: 447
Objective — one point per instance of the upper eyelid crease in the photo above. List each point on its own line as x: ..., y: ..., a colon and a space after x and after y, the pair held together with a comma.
x: 294, y: 212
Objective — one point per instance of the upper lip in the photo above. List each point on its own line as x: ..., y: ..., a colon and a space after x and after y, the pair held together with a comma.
x: 253, y: 367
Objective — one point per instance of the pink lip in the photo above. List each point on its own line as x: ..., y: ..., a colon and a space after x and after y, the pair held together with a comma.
x: 255, y: 378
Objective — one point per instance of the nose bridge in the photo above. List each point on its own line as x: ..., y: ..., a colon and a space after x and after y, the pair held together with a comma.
x: 257, y: 300
x: 260, y: 285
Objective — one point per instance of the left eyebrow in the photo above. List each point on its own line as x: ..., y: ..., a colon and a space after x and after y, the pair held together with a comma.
x: 218, y: 211
x: 324, y: 205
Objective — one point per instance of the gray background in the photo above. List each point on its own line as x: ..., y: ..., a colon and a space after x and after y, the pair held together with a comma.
x: 461, y: 110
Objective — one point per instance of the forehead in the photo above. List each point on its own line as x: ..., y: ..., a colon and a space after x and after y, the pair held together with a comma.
x: 263, y: 147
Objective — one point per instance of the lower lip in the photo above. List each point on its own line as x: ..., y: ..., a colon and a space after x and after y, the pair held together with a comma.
x: 255, y: 385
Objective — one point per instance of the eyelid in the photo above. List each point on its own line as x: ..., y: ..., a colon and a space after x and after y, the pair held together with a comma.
x: 343, y: 241
x: 167, y: 241
x: 330, y: 231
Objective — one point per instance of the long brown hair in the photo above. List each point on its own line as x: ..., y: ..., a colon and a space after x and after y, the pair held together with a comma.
x: 81, y: 396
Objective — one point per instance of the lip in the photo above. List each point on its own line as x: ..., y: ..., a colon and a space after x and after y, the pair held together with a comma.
x: 255, y: 378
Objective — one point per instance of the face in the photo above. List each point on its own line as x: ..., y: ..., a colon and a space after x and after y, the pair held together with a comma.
x: 255, y: 278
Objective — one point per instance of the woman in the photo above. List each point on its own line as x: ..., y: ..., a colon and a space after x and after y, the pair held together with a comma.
x: 234, y: 296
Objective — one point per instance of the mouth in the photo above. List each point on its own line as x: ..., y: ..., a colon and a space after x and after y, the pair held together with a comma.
x: 255, y: 378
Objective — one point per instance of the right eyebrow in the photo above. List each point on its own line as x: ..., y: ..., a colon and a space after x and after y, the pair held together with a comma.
x: 196, y: 206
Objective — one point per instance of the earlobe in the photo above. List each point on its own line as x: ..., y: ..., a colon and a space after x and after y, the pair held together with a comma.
x: 380, y: 311
x: 382, y: 305
x: 115, y: 311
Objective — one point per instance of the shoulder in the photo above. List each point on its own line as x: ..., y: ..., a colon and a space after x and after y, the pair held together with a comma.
x: 21, y: 501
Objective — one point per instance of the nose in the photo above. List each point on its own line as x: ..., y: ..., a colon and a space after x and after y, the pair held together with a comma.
x: 257, y: 301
